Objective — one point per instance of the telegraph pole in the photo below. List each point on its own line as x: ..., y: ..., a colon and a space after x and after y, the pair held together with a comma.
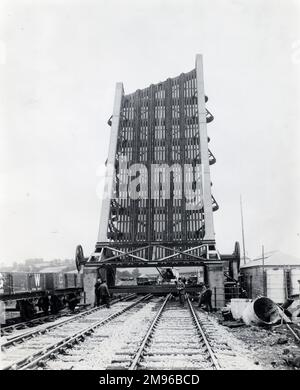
x: 243, y: 234
x: 263, y: 269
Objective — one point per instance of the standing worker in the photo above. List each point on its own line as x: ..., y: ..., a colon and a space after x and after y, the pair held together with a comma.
x: 97, y: 292
x: 201, y: 293
x: 181, y: 290
x: 205, y: 298
x: 208, y: 294
x: 104, y: 294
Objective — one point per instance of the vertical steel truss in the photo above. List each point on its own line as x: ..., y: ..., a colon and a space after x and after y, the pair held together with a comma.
x: 159, y: 125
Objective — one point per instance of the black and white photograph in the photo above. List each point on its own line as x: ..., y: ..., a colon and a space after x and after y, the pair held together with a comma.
x: 149, y: 188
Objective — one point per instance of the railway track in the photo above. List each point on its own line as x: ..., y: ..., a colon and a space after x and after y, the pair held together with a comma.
x: 14, y: 339
x: 180, y: 337
x: 35, y: 345
x: 149, y: 333
x: 10, y: 330
x: 7, y: 330
x: 174, y: 340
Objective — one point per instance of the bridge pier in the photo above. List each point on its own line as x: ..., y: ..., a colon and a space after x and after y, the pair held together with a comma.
x: 89, y: 280
x: 215, y: 280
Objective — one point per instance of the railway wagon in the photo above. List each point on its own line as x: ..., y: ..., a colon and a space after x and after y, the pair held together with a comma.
x: 55, y: 281
x: 73, y: 280
x: 13, y: 283
x: 60, y: 280
x: 26, y: 292
x: 145, y: 280
x: 18, y: 284
x: 126, y: 281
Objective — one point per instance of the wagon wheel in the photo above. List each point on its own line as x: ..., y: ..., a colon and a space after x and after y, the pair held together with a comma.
x: 79, y: 257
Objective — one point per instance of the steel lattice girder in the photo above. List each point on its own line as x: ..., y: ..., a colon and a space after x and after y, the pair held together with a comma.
x: 162, y: 124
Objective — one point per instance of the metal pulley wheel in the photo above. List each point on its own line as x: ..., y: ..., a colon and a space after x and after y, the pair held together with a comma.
x: 79, y: 257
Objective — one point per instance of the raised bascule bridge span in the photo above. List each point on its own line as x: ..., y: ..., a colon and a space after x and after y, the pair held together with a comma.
x: 157, y: 208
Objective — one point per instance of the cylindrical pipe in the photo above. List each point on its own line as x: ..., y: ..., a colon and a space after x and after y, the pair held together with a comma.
x: 261, y: 311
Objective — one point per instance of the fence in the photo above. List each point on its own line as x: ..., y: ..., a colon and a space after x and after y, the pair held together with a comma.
x: 222, y: 295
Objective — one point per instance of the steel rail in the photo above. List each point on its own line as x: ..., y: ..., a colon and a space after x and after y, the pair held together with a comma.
x: 8, y: 329
x: 147, y: 338
x: 139, y: 354
x: 203, y: 336
x: 26, y: 335
x: 283, y: 319
x: 33, y: 359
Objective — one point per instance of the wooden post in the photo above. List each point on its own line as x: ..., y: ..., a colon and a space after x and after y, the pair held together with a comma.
x: 263, y: 271
x: 286, y: 289
x: 243, y: 232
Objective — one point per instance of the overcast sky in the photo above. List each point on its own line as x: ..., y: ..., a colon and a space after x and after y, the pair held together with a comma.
x: 60, y: 61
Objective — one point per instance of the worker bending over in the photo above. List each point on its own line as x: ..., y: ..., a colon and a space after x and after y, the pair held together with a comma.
x: 205, y: 298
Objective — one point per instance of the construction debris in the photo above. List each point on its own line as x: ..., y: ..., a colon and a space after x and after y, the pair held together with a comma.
x: 272, y: 346
x: 237, y: 307
x: 293, y: 361
x: 261, y: 311
x: 233, y: 324
x: 280, y: 341
x: 294, y: 309
x: 226, y: 313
